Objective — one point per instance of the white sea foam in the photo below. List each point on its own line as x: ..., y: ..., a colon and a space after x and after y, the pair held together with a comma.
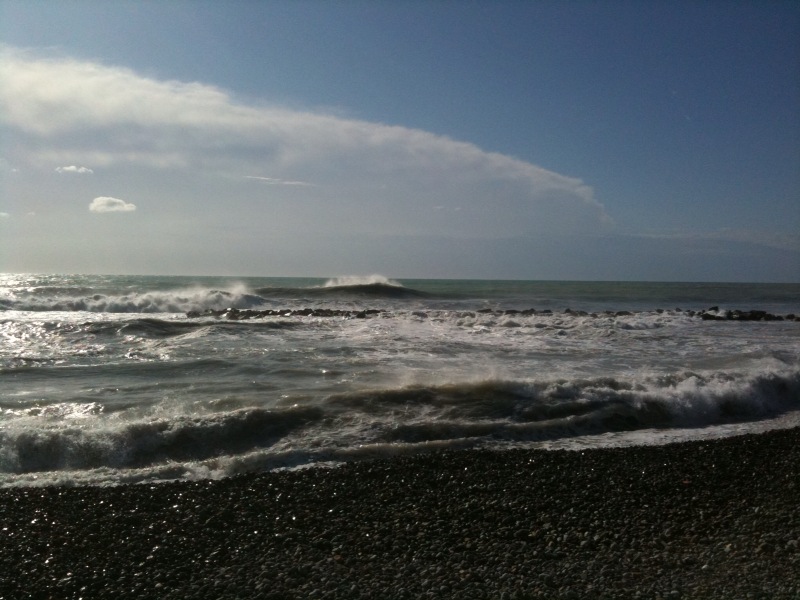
x: 146, y: 393
x: 357, y: 280
x: 156, y: 301
x: 385, y: 422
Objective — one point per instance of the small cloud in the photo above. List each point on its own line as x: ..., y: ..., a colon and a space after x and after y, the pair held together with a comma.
x: 5, y: 215
x: 74, y: 169
x: 274, y: 181
x: 104, y: 204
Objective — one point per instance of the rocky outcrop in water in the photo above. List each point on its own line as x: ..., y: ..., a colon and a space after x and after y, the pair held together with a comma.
x: 235, y: 314
x: 714, y: 314
x: 710, y: 314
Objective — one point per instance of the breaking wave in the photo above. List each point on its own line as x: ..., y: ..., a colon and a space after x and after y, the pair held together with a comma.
x: 350, y: 287
x: 358, y: 280
x: 167, y: 301
x: 144, y: 443
x: 387, y: 422
x: 540, y: 410
x: 373, y: 290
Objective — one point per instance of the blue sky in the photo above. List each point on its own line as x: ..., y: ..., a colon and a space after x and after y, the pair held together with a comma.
x: 552, y: 140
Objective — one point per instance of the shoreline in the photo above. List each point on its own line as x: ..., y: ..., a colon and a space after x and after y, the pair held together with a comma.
x: 698, y: 519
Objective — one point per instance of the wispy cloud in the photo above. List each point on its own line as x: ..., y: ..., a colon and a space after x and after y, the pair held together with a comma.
x: 275, y: 181
x: 74, y: 169
x: 5, y: 215
x: 768, y: 239
x: 377, y: 178
x: 104, y: 204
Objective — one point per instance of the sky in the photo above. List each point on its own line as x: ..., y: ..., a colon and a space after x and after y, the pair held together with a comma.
x: 603, y: 140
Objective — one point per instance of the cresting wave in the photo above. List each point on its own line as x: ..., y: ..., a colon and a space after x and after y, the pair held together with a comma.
x: 358, y: 280
x: 173, y: 301
x: 195, y: 299
x: 121, y: 294
x: 380, y: 422
x: 352, y: 287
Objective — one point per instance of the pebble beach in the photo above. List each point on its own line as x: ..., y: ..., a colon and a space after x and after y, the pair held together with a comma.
x: 691, y: 520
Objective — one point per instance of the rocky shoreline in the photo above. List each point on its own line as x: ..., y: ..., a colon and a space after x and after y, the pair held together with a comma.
x: 711, y: 314
x: 706, y: 519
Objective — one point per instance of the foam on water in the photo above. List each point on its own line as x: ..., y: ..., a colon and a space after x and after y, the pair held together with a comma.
x: 358, y: 280
x: 107, y: 380
x: 172, y: 301
x: 383, y: 422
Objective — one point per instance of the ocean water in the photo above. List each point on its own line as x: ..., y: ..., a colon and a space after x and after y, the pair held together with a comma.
x: 112, y: 379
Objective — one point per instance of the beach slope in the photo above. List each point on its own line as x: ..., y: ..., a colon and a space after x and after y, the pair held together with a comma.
x: 692, y: 520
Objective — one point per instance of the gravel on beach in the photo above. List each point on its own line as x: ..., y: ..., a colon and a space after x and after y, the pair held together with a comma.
x: 705, y: 519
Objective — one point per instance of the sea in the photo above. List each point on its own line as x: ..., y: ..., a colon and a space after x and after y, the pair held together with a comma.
x: 108, y: 380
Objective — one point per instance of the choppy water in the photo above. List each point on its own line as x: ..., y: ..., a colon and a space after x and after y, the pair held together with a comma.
x: 105, y: 379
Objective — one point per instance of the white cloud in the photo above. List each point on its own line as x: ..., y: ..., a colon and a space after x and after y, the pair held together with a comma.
x: 368, y: 177
x: 4, y: 215
x: 104, y: 204
x: 74, y: 169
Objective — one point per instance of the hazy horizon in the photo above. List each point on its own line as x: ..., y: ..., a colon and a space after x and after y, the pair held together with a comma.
x: 368, y: 278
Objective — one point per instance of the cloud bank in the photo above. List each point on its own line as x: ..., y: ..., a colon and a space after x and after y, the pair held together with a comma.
x: 368, y: 177
x: 105, y: 204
